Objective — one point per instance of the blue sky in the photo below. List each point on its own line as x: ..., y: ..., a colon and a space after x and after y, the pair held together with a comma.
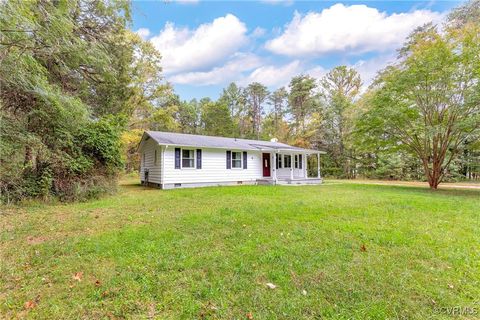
x: 208, y: 44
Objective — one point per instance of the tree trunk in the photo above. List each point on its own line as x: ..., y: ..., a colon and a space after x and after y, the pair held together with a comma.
x: 433, y: 183
x: 28, y: 156
x: 434, y: 175
x: 431, y: 174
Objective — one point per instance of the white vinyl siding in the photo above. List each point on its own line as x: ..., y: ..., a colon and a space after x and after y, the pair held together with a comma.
x: 213, y: 165
x: 213, y: 168
x: 148, y: 161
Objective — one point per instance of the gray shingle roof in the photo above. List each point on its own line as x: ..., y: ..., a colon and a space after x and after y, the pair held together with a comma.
x: 193, y: 140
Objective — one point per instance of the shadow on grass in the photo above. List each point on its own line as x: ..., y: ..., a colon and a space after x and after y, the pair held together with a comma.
x: 416, y: 189
x: 134, y: 185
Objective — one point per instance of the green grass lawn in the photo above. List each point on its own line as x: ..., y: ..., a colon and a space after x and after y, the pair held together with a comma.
x: 337, y: 251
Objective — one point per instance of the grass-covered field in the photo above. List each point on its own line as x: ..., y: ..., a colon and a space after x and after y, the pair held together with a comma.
x: 338, y: 251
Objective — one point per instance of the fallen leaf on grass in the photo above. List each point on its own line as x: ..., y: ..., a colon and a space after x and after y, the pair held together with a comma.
x: 304, y: 292
x: 151, y: 311
x: 450, y: 286
x: 270, y: 285
x: 30, y: 304
x: 363, y: 248
x: 249, y: 316
x: 98, y: 283
x: 78, y: 276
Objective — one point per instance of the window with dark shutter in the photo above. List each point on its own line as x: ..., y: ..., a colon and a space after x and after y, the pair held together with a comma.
x: 244, y: 159
x: 229, y: 159
x: 177, y: 158
x: 276, y: 161
x: 300, y: 161
x: 199, y: 158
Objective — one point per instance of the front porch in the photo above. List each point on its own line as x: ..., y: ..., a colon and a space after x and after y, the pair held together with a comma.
x: 290, y: 166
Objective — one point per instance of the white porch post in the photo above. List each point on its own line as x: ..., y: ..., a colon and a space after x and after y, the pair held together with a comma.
x: 274, y: 167
x: 291, y: 166
x: 304, y: 166
x: 318, y: 165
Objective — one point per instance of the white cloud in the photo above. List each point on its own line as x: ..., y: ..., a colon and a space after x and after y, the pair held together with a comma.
x: 143, y: 32
x: 187, y: 1
x: 356, y: 29
x: 258, y: 32
x: 316, y: 72
x: 274, y: 76
x: 368, y: 68
x: 245, y: 68
x: 231, y: 71
x: 275, y: 2
x: 183, y: 49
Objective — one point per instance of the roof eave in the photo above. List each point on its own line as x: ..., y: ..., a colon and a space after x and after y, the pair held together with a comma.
x: 263, y: 148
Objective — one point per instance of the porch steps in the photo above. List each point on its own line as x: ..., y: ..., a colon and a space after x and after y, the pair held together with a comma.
x: 289, y: 181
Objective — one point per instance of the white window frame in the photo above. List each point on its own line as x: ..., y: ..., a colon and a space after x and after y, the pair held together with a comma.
x: 241, y: 160
x: 285, y: 162
x: 296, y: 161
x: 194, y: 159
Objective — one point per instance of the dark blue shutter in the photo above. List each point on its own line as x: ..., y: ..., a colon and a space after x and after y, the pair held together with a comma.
x: 276, y: 161
x: 244, y: 159
x: 177, y: 158
x: 300, y: 161
x: 229, y: 159
x: 199, y: 158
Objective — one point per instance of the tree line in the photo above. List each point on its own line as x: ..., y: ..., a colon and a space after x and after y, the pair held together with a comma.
x: 78, y: 88
x: 72, y: 74
x: 418, y: 120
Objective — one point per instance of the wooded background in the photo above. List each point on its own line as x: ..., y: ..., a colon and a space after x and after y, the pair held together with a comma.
x: 78, y: 88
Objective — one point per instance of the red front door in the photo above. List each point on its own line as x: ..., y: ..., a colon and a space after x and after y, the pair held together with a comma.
x: 266, y: 164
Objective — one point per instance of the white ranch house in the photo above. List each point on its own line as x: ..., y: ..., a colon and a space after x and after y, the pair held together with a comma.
x: 175, y: 160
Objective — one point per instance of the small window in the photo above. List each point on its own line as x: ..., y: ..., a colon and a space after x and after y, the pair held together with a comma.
x: 296, y: 161
x: 279, y: 161
x: 287, y: 161
x: 188, y: 158
x: 236, y: 160
x: 155, y: 159
x: 144, y: 156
